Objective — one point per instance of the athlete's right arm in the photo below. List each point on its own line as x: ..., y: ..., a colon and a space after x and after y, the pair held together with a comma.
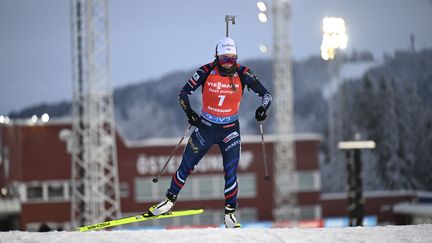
x: 197, y: 79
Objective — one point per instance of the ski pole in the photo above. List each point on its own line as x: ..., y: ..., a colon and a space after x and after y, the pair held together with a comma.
x: 156, y: 179
x: 266, y: 177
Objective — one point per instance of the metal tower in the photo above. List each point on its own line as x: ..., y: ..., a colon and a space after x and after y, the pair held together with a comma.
x: 95, y: 183
x: 284, y: 157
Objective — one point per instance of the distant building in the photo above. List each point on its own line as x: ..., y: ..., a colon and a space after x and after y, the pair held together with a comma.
x: 38, y: 167
x: 35, y: 171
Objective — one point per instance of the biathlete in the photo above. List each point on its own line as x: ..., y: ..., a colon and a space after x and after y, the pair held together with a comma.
x: 223, y: 82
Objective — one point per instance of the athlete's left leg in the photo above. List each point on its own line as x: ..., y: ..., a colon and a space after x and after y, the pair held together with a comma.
x: 230, y: 147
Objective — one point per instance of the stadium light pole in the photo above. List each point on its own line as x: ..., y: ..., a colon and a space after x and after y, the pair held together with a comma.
x: 95, y: 178
x: 284, y: 165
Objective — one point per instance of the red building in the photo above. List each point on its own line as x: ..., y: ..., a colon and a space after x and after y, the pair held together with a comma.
x: 36, y: 168
x: 35, y: 188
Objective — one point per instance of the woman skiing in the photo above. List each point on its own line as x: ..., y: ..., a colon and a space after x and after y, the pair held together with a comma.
x: 223, y: 82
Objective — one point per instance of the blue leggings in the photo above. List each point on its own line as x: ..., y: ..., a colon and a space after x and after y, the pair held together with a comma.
x: 227, y: 136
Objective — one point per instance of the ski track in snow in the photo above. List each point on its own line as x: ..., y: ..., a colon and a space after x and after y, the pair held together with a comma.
x: 379, y: 234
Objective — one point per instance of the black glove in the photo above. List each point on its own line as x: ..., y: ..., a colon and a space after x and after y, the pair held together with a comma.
x: 193, y: 118
x: 261, y: 113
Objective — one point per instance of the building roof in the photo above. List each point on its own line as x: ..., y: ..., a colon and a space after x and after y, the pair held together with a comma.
x: 248, y: 138
x: 419, y: 209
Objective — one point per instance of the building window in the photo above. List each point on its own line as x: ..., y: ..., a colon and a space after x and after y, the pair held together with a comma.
x: 146, y: 191
x: 247, y: 185
x: 187, y: 192
x: 159, y: 189
x: 55, y: 191
x: 207, y: 218
x: 196, y: 187
x: 47, y: 191
x: 308, y: 181
x: 310, y: 212
x: 248, y: 214
x: 34, y: 192
x: 185, y: 220
x: 143, y: 190
x: 206, y: 187
x: 124, y: 190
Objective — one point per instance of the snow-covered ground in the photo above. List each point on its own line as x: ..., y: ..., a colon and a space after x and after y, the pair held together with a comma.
x: 380, y: 234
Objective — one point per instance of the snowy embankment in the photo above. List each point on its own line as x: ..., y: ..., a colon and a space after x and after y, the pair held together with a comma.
x: 412, y: 233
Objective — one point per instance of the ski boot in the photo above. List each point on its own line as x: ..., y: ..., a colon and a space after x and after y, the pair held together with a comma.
x: 230, y: 219
x: 163, y: 207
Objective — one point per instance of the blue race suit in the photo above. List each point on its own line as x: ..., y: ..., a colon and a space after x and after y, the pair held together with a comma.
x: 219, y: 124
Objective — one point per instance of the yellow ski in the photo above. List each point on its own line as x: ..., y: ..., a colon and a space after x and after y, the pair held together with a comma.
x: 138, y: 218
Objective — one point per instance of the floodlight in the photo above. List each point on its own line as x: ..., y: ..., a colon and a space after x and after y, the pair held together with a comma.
x: 262, y: 6
x: 262, y: 17
x: 45, y: 118
x: 34, y: 119
x: 334, y: 36
x: 263, y: 48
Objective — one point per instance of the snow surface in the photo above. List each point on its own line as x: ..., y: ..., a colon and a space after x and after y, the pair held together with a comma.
x: 412, y: 233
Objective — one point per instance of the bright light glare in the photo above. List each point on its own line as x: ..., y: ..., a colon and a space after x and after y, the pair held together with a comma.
x: 263, y: 48
x: 4, y: 119
x: 45, y: 118
x: 262, y: 6
x: 343, y: 41
x: 262, y: 17
x: 333, y: 25
x: 4, y: 191
x: 334, y: 37
x: 34, y: 119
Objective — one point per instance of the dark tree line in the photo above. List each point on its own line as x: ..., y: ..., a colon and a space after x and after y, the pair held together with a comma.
x: 392, y: 105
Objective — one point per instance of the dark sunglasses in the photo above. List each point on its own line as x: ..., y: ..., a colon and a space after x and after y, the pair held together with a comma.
x: 227, y: 60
